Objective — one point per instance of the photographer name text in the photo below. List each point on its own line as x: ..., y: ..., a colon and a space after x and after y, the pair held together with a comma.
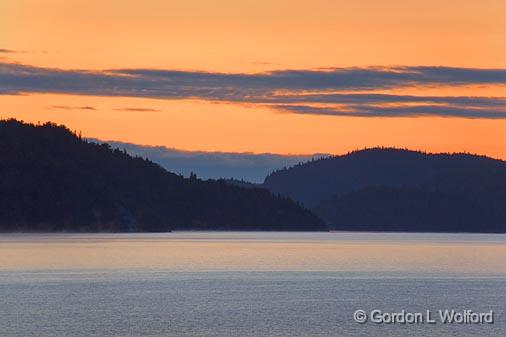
x: 442, y: 316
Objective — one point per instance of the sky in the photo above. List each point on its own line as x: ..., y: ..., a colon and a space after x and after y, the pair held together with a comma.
x: 282, y: 77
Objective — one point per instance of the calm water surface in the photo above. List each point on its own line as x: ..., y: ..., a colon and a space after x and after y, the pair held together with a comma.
x: 246, y: 284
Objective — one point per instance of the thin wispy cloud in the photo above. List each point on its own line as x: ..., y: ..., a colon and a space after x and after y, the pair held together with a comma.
x: 12, y: 51
x: 294, y: 91
x: 66, y: 107
x: 403, y: 111
x: 137, y: 109
x: 385, y: 98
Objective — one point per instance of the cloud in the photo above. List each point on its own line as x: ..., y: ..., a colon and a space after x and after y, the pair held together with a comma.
x: 213, y: 165
x: 137, y: 109
x: 397, y: 111
x: 295, y: 91
x: 385, y: 98
x: 12, y: 51
x: 66, y: 107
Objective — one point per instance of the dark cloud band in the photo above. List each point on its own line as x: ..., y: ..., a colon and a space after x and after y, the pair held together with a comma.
x: 295, y: 91
x: 402, y: 111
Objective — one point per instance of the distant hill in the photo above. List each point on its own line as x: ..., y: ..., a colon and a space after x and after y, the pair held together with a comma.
x: 251, y: 167
x: 399, y: 190
x: 52, y: 180
x: 241, y: 183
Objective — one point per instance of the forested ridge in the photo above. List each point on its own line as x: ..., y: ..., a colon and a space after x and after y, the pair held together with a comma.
x: 53, y: 180
x: 387, y: 189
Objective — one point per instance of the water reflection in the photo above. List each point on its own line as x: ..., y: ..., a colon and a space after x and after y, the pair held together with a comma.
x: 266, y: 251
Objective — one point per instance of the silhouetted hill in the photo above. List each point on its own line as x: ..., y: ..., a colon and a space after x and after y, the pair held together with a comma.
x: 52, y: 180
x: 400, y: 190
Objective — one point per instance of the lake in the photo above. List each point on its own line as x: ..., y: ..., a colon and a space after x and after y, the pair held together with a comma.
x: 247, y: 283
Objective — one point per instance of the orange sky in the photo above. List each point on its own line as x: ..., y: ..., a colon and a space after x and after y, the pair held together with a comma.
x: 249, y: 37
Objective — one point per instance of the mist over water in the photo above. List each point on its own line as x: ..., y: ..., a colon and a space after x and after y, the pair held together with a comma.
x: 245, y: 283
